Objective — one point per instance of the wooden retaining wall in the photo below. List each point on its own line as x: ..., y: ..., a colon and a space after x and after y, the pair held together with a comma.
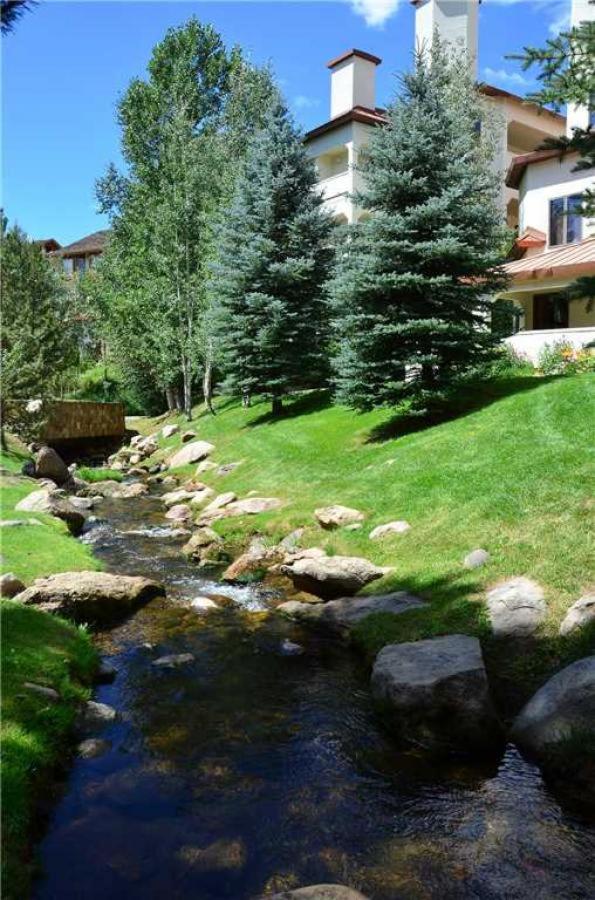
x: 78, y: 420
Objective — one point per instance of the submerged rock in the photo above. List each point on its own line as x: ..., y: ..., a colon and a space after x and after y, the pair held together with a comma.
x: 579, y: 615
x: 95, y: 715
x: 90, y: 597
x: 516, y: 607
x: 91, y: 748
x: 204, y: 604
x: 173, y: 660
x: 222, y: 855
x: 337, y: 515
x: 342, y: 614
x: 435, y: 694
x: 330, y: 576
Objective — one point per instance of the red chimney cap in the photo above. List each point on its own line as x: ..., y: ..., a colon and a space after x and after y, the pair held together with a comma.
x: 348, y: 53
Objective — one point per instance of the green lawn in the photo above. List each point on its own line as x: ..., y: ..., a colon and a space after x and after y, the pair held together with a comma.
x: 511, y: 471
x: 93, y: 474
x: 36, y: 550
x: 46, y: 650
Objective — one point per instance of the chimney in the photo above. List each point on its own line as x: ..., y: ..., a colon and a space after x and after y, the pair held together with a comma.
x: 580, y: 116
x: 353, y: 81
x: 456, y: 22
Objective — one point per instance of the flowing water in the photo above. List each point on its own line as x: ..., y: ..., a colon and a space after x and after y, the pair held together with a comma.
x: 252, y: 769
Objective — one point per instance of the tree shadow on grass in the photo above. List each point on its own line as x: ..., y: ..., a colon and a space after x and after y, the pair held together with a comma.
x: 468, y: 399
x: 303, y: 405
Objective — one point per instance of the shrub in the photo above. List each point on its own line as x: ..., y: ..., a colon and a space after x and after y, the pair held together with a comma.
x: 561, y: 358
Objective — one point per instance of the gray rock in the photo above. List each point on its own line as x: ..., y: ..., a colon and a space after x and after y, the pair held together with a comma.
x: 181, y: 512
x: 203, y: 604
x: 169, y: 430
x: 342, y: 614
x: 43, y: 501
x: 171, y: 498
x: 319, y: 892
x: 337, y: 515
x: 188, y: 436
x: 106, y: 673
x: 516, y: 607
x: 47, y: 693
x: 290, y: 648
x: 435, y: 694
x: 95, y: 715
x: 91, y: 748
x: 190, y: 453
x: 226, y: 468
x: 10, y: 585
x: 83, y: 503
x: 49, y: 465
x: 291, y: 542
x: 201, y: 542
x: 173, y: 660
x: 90, y: 597
x: 580, y: 614
x: 382, y: 531
x: 330, y: 576
x: 476, y: 558
x: 563, y: 705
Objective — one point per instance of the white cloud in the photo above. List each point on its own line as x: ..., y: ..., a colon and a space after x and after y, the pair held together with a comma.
x: 303, y: 102
x: 557, y: 11
x: 501, y: 75
x: 375, y: 12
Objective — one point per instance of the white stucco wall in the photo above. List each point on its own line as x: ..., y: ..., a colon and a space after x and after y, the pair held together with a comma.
x: 545, y: 181
x: 456, y: 21
x: 353, y: 83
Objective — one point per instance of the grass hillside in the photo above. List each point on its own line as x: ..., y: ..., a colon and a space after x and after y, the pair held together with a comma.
x: 511, y: 470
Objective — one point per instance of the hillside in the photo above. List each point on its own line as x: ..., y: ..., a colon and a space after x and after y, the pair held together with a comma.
x: 511, y: 472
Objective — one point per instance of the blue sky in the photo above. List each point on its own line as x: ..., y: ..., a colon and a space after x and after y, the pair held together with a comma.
x: 67, y: 63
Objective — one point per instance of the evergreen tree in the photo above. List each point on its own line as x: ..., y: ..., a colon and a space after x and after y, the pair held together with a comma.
x: 413, y: 283
x: 37, y: 344
x: 271, y: 324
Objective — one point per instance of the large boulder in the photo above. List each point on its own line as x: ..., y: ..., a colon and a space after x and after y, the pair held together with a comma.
x: 319, y: 892
x: 435, y: 694
x: 330, y: 576
x: 563, y: 706
x: 48, y: 464
x: 190, y: 453
x: 46, y: 501
x: 579, y: 615
x: 342, y: 614
x: 118, y: 490
x: 516, y: 607
x: 94, y: 597
x: 337, y: 515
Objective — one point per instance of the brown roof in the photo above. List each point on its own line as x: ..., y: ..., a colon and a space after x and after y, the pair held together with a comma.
x: 531, y: 237
x: 566, y: 261
x: 518, y: 164
x: 491, y: 90
x: 378, y: 116
x: 92, y: 243
x: 357, y: 114
x: 349, y: 53
x: 48, y: 244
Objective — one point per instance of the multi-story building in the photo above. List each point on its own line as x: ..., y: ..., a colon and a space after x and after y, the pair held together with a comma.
x: 338, y: 145
x: 80, y: 256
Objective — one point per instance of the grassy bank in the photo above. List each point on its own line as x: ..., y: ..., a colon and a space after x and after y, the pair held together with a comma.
x: 509, y: 471
x: 38, y: 648
x: 45, y: 650
x: 34, y: 550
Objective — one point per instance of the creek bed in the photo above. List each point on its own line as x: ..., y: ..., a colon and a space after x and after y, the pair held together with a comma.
x: 251, y: 770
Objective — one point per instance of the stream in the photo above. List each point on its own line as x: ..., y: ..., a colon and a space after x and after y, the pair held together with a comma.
x: 252, y: 770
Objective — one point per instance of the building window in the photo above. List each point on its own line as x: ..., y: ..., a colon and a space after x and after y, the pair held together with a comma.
x: 550, y: 311
x: 565, y: 220
x: 79, y: 265
x: 592, y: 111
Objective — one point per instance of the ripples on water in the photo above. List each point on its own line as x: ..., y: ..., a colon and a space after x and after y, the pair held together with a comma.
x: 251, y: 770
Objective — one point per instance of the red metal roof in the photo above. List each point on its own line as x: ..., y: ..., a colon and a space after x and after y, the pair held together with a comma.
x: 566, y: 261
x: 519, y: 164
x: 531, y: 237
